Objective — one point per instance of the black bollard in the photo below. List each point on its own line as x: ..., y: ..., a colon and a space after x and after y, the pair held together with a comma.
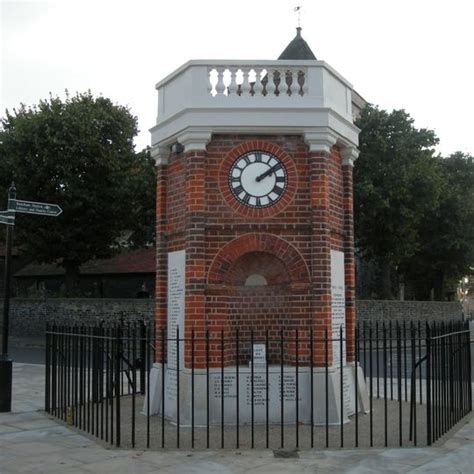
x: 6, y: 385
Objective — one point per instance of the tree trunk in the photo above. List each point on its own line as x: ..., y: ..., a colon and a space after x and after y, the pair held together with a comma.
x: 386, y: 283
x: 71, y: 280
x: 401, y: 291
x: 439, y: 286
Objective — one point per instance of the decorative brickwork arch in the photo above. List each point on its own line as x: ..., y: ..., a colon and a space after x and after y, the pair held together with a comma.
x: 228, y: 256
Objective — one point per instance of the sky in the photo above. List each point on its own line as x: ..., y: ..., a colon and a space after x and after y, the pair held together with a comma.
x: 411, y: 54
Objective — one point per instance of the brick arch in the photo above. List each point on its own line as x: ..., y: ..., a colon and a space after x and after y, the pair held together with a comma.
x: 264, y: 264
x: 270, y: 244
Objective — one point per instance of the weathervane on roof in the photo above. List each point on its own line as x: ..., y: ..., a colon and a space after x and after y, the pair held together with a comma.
x: 297, y: 10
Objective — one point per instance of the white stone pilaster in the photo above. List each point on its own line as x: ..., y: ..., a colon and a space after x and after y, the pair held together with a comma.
x: 160, y: 155
x: 194, y: 140
x: 349, y: 155
x: 320, y: 141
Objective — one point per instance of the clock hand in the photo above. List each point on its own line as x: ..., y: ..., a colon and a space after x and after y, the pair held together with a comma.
x: 268, y: 172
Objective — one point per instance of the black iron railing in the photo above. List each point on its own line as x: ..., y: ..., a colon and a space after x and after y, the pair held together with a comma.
x: 134, y: 385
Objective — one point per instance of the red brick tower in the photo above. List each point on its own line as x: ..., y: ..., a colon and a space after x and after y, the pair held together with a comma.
x: 254, y: 222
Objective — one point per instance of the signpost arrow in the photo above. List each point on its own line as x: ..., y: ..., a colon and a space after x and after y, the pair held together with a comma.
x: 7, y: 217
x: 9, y: 220
x: 31, y: 207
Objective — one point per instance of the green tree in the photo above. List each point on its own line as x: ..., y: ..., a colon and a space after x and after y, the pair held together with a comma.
x: 141, y: 191
x: 396, y: 182
x: 78, y: 153
x: 446, y: 231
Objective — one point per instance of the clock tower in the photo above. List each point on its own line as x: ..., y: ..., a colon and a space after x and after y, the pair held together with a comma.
x: 254, y: 240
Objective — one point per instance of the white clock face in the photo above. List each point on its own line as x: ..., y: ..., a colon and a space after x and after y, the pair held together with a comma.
x: 258, y: 179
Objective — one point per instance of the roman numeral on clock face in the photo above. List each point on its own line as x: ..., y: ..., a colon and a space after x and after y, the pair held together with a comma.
x: 238, y: 189
x: 278, y: 190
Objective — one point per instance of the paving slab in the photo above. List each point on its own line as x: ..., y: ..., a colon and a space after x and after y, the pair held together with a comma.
x: 31, y: 441
x: 458, y: 461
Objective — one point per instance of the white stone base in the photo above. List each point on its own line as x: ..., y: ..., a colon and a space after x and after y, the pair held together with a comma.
x: 336, y: 412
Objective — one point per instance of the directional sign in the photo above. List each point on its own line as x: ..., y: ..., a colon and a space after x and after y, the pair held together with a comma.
x: 7, y: 220
x: 31, y: 207
x: 7, y: 217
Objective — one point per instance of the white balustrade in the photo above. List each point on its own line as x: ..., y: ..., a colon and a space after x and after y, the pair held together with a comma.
x: 257, y: 81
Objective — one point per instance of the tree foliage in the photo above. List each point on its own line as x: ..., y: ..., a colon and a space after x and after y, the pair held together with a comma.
x: 395, y: 183
x: 414, y: 211
x: 78, y: 153
x: 446, y: 231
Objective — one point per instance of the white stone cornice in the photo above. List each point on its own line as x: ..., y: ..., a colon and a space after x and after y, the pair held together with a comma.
x: 160, y: 154
x: 320, y: 141
x: 349, y: 155
x: 194, y: 140
x: 257, y: 121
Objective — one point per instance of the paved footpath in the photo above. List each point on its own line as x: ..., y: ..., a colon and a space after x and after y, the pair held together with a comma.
x: 31, y: 441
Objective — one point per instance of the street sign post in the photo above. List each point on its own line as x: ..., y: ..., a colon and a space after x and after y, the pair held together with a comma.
x: 8, y: 217
x: 6, y: 364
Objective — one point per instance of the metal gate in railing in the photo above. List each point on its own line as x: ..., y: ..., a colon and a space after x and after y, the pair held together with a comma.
x: 132, y: 385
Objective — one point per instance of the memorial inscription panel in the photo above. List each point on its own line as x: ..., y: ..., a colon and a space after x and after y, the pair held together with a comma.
x: 176, y: 281
x: 338, y: 306
x: 259, y: 354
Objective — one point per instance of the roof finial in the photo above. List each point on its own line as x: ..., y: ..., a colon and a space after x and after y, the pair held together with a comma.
x: 297, y: 10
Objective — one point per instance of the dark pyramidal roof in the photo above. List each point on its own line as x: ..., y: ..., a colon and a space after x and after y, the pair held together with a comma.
x: 297, y: 49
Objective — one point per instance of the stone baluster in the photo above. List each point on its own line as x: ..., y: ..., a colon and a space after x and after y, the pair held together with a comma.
x: 220, y: 86
x: 293, y: 86
x: 258, y: 86
x: 278, y: 79
x: 209, y: 83
x: 296, y: 84
x: 270, y: 85
x: 304, y: 79
x: 246, y: 83
x: 286, y: 82
x: 233, y: 81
